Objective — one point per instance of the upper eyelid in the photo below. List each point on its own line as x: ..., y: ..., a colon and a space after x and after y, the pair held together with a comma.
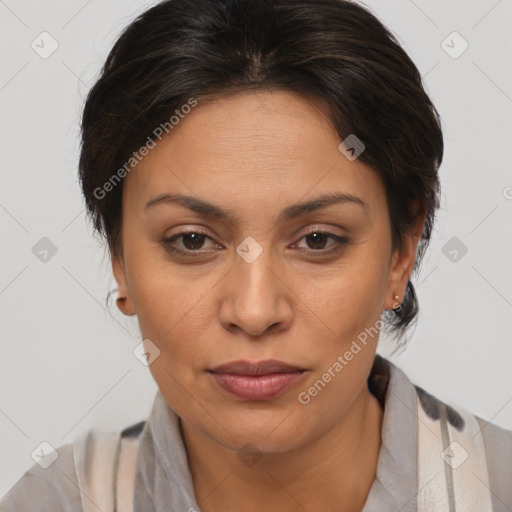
x: 205, y: 233
x: 313, y: 230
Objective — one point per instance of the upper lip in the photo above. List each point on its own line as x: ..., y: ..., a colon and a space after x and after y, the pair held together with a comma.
x: 256, y: 368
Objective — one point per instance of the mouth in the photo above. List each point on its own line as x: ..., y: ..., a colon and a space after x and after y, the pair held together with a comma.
x: 256, y: 381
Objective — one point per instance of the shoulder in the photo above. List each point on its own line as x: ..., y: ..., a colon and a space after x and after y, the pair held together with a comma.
x: 55, y: 483
x: 491, y: 433
x: 498, y: 447
x: 496, y: 443
x: 46, y: 488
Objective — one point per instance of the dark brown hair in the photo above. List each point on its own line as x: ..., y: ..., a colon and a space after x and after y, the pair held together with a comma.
x: 335, y: 52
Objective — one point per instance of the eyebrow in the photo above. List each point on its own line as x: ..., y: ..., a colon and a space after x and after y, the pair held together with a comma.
x: 295, y: 210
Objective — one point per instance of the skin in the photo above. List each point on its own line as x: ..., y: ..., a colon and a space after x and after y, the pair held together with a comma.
x: 299, y: 301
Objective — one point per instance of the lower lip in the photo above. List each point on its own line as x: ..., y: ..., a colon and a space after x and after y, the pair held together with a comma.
x: 261, y: 387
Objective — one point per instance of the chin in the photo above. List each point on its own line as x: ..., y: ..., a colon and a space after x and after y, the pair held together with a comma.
x: 274, y: 430
x: 245, y: 442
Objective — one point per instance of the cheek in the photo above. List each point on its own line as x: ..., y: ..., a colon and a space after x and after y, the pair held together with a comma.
x: 163, y: 293
x: 175, y: 318
x: 175, y: 312
x: 351, y: 295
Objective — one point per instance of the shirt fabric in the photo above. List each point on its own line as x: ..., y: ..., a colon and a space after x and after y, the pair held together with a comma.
x: 163, y: 481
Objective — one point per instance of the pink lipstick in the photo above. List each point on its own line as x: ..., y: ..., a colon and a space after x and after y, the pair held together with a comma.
x: 256, y: 381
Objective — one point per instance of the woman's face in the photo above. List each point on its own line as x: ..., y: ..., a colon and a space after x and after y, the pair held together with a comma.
x: 252, y: 284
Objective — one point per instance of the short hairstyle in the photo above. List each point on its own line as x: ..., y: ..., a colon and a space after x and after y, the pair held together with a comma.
x: 334, y: 52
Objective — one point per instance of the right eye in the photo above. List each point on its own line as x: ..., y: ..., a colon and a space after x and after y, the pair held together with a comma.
x: 192, y: 242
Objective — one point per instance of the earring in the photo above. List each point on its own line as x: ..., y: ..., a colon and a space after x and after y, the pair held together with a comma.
x: 395, y: 298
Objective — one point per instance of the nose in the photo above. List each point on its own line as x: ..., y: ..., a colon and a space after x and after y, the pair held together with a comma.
x: 256, y: 297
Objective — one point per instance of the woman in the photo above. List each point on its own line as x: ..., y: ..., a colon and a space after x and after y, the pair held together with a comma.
x: 266, y: 177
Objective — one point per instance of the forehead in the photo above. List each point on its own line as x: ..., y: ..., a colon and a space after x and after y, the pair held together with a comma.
x: 266, y: 147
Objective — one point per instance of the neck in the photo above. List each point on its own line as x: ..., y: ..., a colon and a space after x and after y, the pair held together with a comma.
x: 332, y: 473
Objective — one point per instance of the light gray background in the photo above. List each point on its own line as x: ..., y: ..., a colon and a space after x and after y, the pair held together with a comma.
x: 67, y: 364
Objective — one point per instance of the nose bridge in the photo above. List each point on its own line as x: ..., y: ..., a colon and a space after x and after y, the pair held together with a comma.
x: 253, y: 268
x: 257, y: 296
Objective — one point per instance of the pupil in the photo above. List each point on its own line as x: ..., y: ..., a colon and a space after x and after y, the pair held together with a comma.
x: 319, y: 238
x: 196, y: 239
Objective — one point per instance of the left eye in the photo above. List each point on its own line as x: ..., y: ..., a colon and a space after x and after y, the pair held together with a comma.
x: 319, y: 238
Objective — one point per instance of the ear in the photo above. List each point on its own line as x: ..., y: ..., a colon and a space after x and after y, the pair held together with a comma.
x: 402, y: 262
x: 118, y: 269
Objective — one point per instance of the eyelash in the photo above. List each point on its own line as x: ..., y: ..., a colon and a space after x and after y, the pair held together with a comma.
x: 341, y: 241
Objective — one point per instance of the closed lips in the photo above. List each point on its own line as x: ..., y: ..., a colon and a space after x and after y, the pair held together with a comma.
x: 256, y: 369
